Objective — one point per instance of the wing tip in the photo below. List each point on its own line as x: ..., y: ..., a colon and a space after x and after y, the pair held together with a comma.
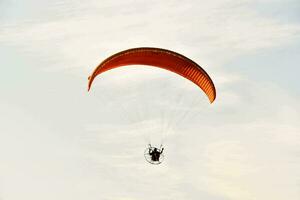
x: 89, y: 83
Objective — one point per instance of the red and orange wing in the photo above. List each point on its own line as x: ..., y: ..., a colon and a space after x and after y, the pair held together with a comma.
x: 161, y: 58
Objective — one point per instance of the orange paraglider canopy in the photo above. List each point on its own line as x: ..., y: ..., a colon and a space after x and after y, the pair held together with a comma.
x: 161, y: 58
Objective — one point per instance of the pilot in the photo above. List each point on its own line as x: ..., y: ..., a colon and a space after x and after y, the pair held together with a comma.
x: 155, y: 153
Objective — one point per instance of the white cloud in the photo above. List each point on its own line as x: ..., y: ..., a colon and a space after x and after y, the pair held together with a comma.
x: 216, y: 31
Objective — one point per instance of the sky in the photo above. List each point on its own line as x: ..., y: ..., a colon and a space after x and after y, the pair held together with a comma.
x: 57, y: 141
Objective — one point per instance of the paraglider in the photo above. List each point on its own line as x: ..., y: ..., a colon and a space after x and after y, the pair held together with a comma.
x: 154, y: 155
x: 161, y: 58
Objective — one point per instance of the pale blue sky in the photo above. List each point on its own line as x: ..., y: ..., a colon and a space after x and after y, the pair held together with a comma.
x: 59, y: 142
